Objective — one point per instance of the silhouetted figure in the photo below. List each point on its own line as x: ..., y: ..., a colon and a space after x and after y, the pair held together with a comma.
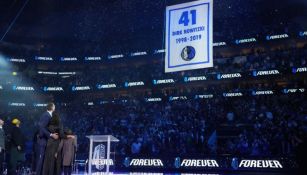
x: 17, y: 153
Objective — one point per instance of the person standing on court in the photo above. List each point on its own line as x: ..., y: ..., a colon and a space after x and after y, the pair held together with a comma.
x: 17, y: 147
x: 2, y: 145
x: 44, y: 135
x: 67, y: 150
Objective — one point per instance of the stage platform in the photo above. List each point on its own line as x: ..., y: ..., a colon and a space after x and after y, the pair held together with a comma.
x: 151, y: 173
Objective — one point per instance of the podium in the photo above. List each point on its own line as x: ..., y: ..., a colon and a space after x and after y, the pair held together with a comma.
x: 100, y: 139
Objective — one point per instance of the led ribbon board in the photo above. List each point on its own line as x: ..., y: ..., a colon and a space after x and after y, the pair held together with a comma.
x: 188, y: 39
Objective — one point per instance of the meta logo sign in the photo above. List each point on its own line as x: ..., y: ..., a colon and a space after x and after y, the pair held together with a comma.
x: 17, y: 104
x: 68, y: 59
x: 295, y: 90
x: 23, y: 88
x: 159, y: 51
x: 233, y: 94
x: 177, y: 98
x: 52, y: 89
x: 130, y: 84
x: 298, y: 70
x: 105, y: 86
x: 138, y: 54
x: 92, y: 58
x: 260, y: 164
x: 273, y: 37
x: 47, y: 73
x: 80, y: 88
x: 39, y: 104
x: 166, y: 81
x: 203, y: 96
x: 153, y: 99
x: 219, y: 44
x: 204, y: 163
x: 146, y: 162
x: 228, y: 76
x: 265, y: 72
x: 247, y: 40
x: 103, y: 102
x: 90, y: 103
x: 17, y: 60
x: 267, y: 92
x: 199, y: 78
x: 67, y: 73
x: 44, y: 58
x: 115, y: 56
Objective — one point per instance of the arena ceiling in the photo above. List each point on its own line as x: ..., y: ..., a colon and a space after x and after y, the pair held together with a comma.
x: 113, y: 25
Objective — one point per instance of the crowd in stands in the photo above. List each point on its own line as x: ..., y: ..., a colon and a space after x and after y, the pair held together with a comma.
x: 247, y: 126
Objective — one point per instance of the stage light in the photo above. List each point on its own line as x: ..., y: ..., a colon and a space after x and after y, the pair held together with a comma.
x: 3, y: 62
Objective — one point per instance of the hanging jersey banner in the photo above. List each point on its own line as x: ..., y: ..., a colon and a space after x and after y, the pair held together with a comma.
x: 188, y: 39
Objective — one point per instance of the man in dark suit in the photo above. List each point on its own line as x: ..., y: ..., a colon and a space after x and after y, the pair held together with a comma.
x: 44, y: 134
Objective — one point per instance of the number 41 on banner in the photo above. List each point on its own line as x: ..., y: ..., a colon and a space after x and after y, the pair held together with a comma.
x: 188, y: 36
